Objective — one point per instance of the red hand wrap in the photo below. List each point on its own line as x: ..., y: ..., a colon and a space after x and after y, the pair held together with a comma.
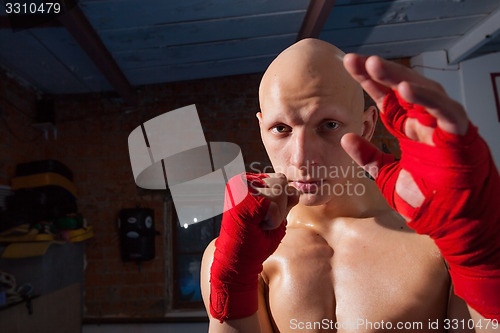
x: 461, y: 210
x: 240, y: 250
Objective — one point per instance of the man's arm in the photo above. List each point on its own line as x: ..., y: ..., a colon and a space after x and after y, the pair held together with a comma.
x: 257, y: 323
x: 445, y: 185
x: 461, y: 318
x: 253, y: 225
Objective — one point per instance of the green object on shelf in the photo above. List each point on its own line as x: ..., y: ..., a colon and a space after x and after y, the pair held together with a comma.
x: 70, y: 222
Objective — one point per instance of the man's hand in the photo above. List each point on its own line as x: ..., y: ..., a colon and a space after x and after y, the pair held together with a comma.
x: 282, y: 196
x: 379, y: 77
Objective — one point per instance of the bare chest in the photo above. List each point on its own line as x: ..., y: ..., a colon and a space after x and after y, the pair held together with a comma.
x: 363, y: 283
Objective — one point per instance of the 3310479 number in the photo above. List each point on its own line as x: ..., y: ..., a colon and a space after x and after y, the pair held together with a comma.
x: 463, y: 324
x: 32, y: 8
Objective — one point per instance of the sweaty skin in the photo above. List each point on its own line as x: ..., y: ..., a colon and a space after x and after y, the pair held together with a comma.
x: 347, y: 257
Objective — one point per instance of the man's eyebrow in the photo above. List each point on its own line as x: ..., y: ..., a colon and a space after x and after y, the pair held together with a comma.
x: 276, y: 117
x: 275, y: 121
x: 328, y: 119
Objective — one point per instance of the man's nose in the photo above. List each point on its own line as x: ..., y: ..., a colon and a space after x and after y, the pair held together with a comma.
x: 303, y: 150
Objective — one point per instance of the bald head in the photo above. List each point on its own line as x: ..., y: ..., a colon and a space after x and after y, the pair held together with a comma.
x: 310, y: 66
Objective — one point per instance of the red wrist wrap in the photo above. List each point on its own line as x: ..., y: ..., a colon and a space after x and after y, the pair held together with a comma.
x: 461, y: 210
x: 240, y: 250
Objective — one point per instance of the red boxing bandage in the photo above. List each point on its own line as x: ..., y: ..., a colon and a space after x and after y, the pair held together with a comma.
x: 461, y: 210
x: 241, y: 249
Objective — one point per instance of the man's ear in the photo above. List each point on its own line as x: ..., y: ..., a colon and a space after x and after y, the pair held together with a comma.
x: 259, y: 116
x: 369, y: 121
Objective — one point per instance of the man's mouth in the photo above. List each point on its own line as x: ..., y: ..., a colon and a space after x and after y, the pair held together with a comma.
x: 307, y: 186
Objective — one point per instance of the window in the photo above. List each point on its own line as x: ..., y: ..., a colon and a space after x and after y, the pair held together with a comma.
x: 188, y: 245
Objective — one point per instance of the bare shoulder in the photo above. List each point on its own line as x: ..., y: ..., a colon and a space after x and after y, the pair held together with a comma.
x: 403, y: 245
x: 206, y: 263
x: 261, y: 318
x: 392, y: 220
x: 391, y: 224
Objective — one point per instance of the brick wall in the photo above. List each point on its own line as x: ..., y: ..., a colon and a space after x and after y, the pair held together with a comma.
x: 92, y: 141
x: 92, y: 132
x: 18, y: 138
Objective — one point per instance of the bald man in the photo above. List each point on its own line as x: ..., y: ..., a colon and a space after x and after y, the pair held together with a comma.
x: 347, y: 261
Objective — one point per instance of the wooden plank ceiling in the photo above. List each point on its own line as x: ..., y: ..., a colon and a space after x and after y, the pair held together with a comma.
x: 163, y: 41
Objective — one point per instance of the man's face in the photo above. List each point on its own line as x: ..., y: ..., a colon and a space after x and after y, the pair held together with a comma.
x: 302, y: 121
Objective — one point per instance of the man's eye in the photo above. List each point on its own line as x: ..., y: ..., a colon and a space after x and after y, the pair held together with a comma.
x: 280, y: 129
x: 331, y: 125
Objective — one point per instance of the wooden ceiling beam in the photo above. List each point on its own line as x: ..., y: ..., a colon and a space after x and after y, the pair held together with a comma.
x: 478, y: 36
x: 316, y: 16
x: 29, y: 21
x: 79, y: 27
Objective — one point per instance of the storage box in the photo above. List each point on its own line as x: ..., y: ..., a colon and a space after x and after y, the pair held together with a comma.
x: 43, y: 166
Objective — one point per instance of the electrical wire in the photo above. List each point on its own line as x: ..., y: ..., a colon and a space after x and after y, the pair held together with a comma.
x: 439, y: 68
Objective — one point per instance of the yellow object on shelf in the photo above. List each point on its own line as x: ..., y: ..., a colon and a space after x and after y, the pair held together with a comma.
x: 43, y: 179
x: 24, y: 233
x: 26, y: 241
x: 26, y: 250
x: 80, y: 235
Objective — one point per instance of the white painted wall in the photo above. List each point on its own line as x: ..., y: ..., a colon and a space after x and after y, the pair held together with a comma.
x: 470, y: 84
x: 147, y: 328
x: 479, y: 98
